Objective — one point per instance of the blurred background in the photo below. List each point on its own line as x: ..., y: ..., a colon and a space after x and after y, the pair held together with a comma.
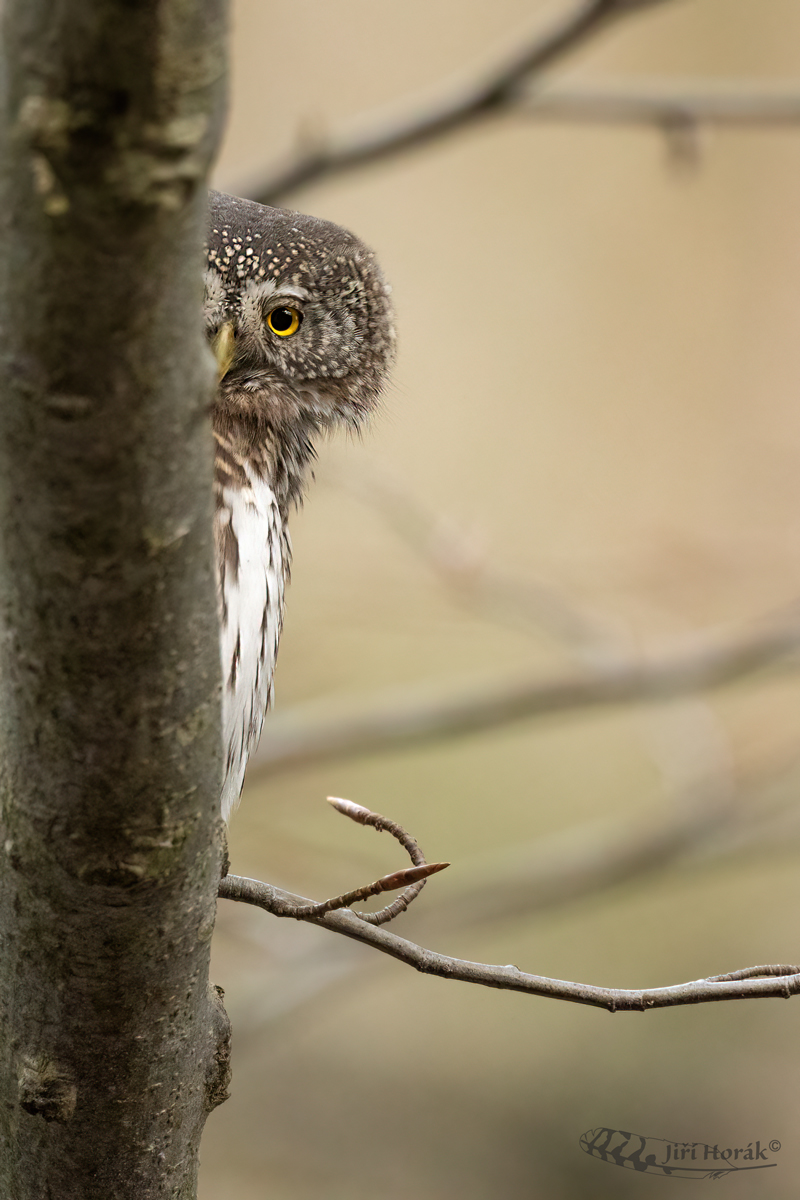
x: 590, y: 448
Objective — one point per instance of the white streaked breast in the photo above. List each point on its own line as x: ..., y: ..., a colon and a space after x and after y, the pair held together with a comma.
x: 251, y: 586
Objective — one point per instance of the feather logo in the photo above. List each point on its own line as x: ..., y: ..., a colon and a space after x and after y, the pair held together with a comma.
x: 680, y: 1160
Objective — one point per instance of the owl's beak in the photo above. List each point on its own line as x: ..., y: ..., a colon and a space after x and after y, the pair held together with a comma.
x: 223, y: 347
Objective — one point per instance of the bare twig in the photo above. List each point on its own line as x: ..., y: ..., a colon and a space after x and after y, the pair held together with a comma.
x: 750, y: 983
x: 388, y: 720
x: 491, y: 93
x: 406, y: 878
x: 363, y: 816
x: 411, y: 879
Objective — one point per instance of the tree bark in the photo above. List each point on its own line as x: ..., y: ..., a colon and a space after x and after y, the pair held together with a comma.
x: 113, y: 1047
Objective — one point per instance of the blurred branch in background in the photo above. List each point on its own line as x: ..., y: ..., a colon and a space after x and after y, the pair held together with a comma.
x: 493, y: 93
x: 679, y: 112
x: 705, y: 826
x: 515, y: 88
x: 458, y: 558
x: 667, y: 106
x: 394, y: 718
x: 685, y: 741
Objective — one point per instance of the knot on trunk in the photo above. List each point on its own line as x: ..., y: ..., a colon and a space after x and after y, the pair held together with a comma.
x: 46, y: 1090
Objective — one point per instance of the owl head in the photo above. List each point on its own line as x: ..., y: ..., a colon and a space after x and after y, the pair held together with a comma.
x: 298, y: 315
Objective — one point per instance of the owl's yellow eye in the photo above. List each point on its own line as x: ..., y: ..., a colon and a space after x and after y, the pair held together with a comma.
x: 284, y: 321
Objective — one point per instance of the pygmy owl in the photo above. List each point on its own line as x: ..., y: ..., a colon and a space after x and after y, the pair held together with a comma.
x: 299, y: 318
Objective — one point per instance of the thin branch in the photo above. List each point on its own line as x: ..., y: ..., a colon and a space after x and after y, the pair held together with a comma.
x: 750, y: 983
x: 388, y: 720
x: 487, y: 95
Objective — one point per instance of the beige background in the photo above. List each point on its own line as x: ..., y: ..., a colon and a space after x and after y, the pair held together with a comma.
x: 598, y: 380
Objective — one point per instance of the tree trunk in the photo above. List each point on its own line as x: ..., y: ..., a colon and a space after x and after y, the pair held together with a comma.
x: 113, y: 1048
